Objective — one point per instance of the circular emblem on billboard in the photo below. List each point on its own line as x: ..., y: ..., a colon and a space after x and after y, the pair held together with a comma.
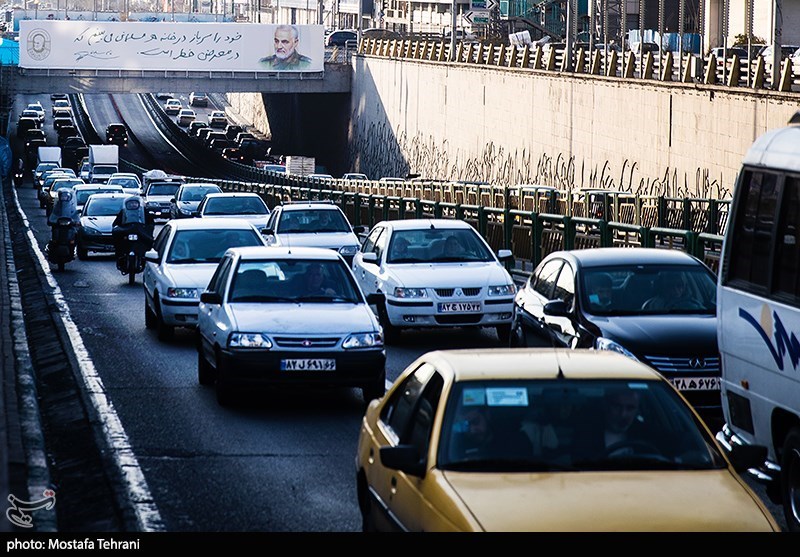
x: 38, y: 44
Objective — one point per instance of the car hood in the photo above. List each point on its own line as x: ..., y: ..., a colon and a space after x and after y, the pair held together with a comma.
x: 255, y: 219
x: 318, y: 240
x: 650, y: 334
x: 309, y: 318
x: 102, y: 224
x: 711, y: 500
x: 190, y: 275
x: 190, y: 205
x: 431, y: 275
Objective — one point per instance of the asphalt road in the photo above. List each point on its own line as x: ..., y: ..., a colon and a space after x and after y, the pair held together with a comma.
x: 282, y: 460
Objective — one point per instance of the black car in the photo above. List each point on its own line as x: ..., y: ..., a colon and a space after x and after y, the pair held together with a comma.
x: 342, y: 38
x: 233, y: 130
x: 655, y: 305
x: 117, y: 134
x: 195, y: 127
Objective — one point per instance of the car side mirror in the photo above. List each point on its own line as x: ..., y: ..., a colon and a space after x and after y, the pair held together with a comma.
x: 505, y: 255
x: 267, y: 231
x: 172, y: 200
x: 744, y: 457
x: 211, y: 298
x: 556, y: 308
x: 152, y: 256
x: 376, y: 298
x: 370, y: 257
x: 360, y: 229
x: 405, y: 458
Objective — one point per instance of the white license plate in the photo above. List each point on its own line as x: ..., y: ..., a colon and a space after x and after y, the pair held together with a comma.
x: 133, y: 237
x: 308, y: 365
x: 459, y: 307
x: 696, y: 383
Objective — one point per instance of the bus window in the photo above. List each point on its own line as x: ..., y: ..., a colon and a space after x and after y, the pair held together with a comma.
x: 787, y: 245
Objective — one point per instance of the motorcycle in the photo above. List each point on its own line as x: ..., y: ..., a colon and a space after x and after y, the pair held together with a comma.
x: 18, y: 178
x: 63, y: 221
x: 130, y: 260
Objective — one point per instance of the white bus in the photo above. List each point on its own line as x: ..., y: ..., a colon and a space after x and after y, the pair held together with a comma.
x: 758, y: 299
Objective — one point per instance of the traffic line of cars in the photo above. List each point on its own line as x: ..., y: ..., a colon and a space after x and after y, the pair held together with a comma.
x: 608, y: 421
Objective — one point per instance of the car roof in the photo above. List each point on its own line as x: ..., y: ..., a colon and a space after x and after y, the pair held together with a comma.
x: 538, y: 363
x: 302, y: 206
x: 110, y: 195
x: 96, y: 186
x: 205, y: 224
x: 419, y: 224
x: 233, y: 194
x: 601, y: 257
x: 275, y: 252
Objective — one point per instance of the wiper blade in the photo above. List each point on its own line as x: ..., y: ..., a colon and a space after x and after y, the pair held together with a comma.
x: 317, y: 298
x: 507, y: 465
x: 409, y: 260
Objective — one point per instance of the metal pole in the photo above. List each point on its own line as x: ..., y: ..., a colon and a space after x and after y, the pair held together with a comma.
x: 453, y: 23
x: 360, y: 22
x: 641, y: 39
x: 777, y: 32
x: 681, y: 15
x: 568, y: 44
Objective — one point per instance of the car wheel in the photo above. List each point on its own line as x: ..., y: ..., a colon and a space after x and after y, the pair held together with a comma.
x: 150, y: 319
x: 374, y: 389
x: 83, y: 253
x: 790, y: 480
x: 42, y: 204
x: 504, y: 334
x: 164, y: 331
x: 391, y: 333
x: 517, y: 337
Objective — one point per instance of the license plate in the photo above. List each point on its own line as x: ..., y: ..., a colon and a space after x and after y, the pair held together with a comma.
x: 459, y: 307
x: 696, y: 383
x: 157, y: 213
x: 308, y: 365
x: 133, y: 237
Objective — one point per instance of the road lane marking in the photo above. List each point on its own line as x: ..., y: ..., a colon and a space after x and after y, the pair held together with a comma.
x: 147, y: 516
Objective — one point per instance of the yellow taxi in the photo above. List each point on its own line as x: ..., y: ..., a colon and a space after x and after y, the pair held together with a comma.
x: 546, y: 440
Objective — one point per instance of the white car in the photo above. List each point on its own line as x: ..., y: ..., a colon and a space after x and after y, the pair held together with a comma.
x: 354, y: 176
x: 38, y: 108
x: 129, y: 181
x: 173, y: 106
x: 288, y: 316
x: 217, y: 119
x: 242, y: 205
x: 83, y: 191
x: 186, y: 116
x: 435, y: 273
x: 61, y: 104
x: 313, y: 224
x: 184, y: 256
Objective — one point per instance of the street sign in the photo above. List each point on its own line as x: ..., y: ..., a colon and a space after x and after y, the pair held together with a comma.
x: 482, y: 5
x: 477, y: 18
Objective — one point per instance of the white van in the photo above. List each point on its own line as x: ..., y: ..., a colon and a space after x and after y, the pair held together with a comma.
x: 758, y: 299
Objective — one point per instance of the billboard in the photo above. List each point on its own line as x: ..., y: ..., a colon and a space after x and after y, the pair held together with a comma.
x: 127, y: 45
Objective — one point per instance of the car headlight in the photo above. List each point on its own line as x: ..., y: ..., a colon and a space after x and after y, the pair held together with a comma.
x: 182, y: 292
x: 363, y: 340
x: 249, y: 340
x: 90, y: 231
x: 603, y: 343
x: 348, y: 250
x: 185, y: 211
x: 400, y: 292
x: 503, y: 290
x: 151, y: 204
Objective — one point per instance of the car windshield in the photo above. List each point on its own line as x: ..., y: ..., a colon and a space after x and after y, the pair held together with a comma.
x: 66, y: 184
x: 163, y: 189
x: 45, y: 166
x: 103, y: 170
x: 572, y: 425
x: 235, y: 206
x: 82, y: 195
x: 649, y: 290
x: 293, y: 281
x: 305, y: 221
x: 208, y: 246
x: 103, y: 206
x: 198, y: 193
x: 434, y: 245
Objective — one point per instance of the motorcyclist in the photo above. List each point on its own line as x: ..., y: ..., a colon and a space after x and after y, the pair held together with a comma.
x: 132, y: 219
x: 65, y: 208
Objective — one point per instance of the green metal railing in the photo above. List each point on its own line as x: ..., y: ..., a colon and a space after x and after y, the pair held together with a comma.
x: 528, y: 234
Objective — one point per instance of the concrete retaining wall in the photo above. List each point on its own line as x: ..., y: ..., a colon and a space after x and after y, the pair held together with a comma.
x: 447, y: 121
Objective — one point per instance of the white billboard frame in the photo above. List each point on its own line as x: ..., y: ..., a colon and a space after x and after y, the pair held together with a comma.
x: 171, y: 46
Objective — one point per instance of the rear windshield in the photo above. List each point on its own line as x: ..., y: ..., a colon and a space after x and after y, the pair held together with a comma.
x: 103, y: 206
x: 163, y: 189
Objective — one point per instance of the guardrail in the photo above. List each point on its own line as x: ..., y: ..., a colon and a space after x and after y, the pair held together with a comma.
x: 657, y: 66
x: 528, y: 234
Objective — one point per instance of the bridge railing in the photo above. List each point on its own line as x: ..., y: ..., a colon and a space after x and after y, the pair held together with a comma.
x: 658, y: 66
x: 530, y: 235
